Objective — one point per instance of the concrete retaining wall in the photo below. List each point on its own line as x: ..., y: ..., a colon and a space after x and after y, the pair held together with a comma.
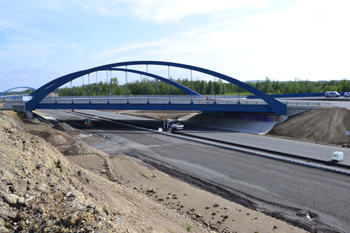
x: 232, y: 124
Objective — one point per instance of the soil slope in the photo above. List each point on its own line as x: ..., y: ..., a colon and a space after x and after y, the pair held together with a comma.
x: 323, y: 125
x: 158, y: 115
x: 42, y: 191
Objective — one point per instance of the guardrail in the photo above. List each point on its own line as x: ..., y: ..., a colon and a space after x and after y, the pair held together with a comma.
x: 220, y: 100
x: 173, y: 100
x: 150, y: 99
x: 294, y: 95
x: 307, y: 104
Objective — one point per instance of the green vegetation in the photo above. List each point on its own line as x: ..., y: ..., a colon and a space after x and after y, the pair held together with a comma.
x: 26, y: 91
x: 203, y: 87
x: 188, y: 227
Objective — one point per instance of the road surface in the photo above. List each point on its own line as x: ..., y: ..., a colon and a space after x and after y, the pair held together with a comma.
x: 319, y: 192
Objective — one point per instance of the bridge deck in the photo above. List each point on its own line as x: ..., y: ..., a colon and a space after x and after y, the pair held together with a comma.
x: 189, y: 103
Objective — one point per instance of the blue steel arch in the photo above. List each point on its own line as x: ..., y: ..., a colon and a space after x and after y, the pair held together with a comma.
x: 175, y: 84
x: 276, y: 106
x: 49, y: 87
x: 16, y: 88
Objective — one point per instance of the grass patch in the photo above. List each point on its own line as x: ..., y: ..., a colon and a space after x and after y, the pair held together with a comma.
x: 188, y: 227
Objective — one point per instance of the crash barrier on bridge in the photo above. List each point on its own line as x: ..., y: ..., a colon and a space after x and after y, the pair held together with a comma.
x: 307, y: 104
x: 150, y: 99
x: 174, y: 100
x: 295, y: 95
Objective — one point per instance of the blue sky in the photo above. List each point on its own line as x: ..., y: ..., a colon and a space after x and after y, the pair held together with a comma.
x: 44, y: 39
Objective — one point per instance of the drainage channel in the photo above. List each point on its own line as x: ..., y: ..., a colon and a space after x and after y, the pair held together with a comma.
x: 207, y: 142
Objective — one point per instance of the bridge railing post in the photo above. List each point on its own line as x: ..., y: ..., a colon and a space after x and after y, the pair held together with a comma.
x: 89, y: 89
x: 147, y: 85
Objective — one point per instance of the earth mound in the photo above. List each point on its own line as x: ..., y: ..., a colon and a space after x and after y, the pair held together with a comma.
x: 17, y: 124
x: 41, y: 191
x: 63, y: 127
x: 155, y: 114
x: 55, y: 138
x: 79, y: 148
x: 323, y: 125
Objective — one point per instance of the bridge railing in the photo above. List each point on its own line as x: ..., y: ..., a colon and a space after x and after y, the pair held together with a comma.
x: 150, y: 100
x: 309, y: 104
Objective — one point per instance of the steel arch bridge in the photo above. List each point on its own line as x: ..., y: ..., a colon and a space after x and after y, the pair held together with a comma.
x: 196, y: 103
x: 3, y: 97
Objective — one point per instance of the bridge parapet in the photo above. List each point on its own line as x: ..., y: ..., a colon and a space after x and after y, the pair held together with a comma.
x: 150, y: 100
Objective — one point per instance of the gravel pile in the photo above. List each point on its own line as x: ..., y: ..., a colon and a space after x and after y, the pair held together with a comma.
x: 323, y: 125
x: 63, y: 127
x: 55, y: 137
x: 79, y: 148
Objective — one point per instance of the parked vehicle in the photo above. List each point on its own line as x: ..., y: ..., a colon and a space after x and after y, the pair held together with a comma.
x: 337, y: 156
x: 172, y: 124
x: 347, y: 94
x: 332, y: 94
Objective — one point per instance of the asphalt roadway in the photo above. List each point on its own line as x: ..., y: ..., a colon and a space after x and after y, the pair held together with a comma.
x: 319, y: 192
x: 297, y: 148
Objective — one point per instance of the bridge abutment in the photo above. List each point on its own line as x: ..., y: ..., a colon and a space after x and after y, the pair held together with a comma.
x: 29, y: 114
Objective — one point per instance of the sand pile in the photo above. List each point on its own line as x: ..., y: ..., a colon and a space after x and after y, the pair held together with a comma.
x: 323, y: 125
x: 63, y: 127
x: 80, y: 148
x: 55, y: 138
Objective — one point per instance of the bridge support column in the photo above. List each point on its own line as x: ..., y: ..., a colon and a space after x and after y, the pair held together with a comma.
x: 29, y: 114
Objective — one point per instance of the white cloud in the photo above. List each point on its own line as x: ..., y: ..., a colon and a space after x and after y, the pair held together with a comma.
x: 77, y: 47
x: 173, y: 10
x: 113, y: 52
x: 300, y: 41
x: 77, y: 7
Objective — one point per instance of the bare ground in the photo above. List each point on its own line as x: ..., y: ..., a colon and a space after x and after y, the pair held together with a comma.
x: 323, y: 125
x: 158, y: 115
x: 92, y: 191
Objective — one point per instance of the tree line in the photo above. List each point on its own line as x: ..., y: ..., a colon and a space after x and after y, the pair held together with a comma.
x: 156, y: 87
x: 24, y: 92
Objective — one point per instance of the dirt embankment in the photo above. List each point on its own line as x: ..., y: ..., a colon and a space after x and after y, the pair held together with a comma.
x: 42, y: 191
x: 323, y: 125
x: 158, y: 115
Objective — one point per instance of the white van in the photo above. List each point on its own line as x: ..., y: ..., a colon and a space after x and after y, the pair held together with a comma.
x: 331, y: 94
x: 347, y: 94
x: 337, y: 156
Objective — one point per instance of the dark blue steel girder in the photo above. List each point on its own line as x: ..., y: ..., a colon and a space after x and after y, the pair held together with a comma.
x: 276, y: 106
x: 175, y: 107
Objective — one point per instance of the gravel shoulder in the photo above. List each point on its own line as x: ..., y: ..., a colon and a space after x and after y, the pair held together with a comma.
x: 52, y: 183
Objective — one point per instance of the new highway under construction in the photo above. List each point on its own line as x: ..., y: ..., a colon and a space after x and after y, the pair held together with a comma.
x: 225, y: 165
